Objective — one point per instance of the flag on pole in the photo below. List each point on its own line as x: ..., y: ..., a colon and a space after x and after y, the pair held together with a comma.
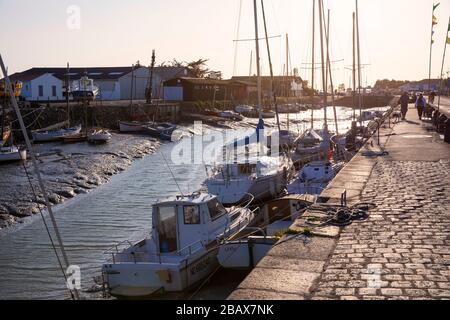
x: 435, y: 6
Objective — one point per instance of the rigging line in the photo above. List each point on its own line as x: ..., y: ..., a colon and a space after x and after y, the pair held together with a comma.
x: 238, y: 28
x: 46, y: 227
x: 35, y: 165
x: 271, y: 37
x: 171, y: 172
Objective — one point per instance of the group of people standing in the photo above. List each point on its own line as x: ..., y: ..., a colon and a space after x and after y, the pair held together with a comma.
x: 421, y: 103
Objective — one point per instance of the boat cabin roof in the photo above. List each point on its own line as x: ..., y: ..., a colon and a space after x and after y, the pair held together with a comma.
x: 194, y: 198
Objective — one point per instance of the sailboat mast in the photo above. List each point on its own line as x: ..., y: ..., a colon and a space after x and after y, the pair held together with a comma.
x: 359, y: 62
x: 258, y: 63
x: 270, y: 66
x: 287, y: 76
x: 323, y: 65
x: 251, y: 64
x: 67, y: 94
x: 330, y: 74
x: 354, y: 69
x: 313, y: 70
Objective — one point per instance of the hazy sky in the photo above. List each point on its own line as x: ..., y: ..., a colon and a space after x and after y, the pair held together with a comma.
x: 395, y: 34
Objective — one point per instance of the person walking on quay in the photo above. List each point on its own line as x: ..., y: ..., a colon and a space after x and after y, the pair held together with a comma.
x: 431, y: 97
x: 421, y: 104
x: 403, y: 101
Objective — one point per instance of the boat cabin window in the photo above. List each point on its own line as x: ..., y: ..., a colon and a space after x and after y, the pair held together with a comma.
x: 167, y: 229
x: 191, y: 215
x: 247, y: 168
x: 215, y: 209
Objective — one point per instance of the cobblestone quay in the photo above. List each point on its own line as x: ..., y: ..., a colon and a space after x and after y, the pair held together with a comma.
x: 402, y: 251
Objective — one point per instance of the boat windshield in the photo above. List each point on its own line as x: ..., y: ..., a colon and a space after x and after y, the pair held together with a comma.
x: 167, y: 229
x: 215, y: 209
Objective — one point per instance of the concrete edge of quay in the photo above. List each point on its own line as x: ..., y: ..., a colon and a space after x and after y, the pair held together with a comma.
x: 291, y: 270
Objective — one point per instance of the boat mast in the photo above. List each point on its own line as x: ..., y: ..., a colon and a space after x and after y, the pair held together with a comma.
x: 313, y: 70
x: 150, y: 80
x: 258, y: 62
x: 323, y: 66
x: 359, y: 63
x: 288, y: 91
x: 354, y: 69
x: 330, y: 73
x: 67, y: 95
x: 8, y: 86
x: 270, y: 66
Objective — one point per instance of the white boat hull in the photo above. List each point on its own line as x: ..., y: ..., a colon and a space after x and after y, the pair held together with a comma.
x: 244, y: 254
x: 231, y: 192
x: 130, y: 127
x: 134, y: 279
x: 15, y: 155
x: 99, y: 137
x: 55, y: 135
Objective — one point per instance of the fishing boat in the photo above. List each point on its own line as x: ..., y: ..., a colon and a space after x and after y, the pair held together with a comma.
x: 274, y: 217
x: 12, y: 153
x: 314, y: 177
x: 261, y: 177
x: 84, y: 89
x: 55, y: 135
x: 181, y: 250
x: 162, y: 131
x: 99, y: 136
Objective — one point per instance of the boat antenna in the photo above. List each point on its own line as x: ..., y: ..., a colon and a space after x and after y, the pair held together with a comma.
x: 8, y: 86
x: 171, y: 172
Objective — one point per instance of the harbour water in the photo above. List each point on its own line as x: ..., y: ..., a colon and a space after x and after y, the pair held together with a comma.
x: 91, y: 223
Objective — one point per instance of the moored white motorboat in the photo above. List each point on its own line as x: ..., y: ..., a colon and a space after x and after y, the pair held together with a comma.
x: 99, y: 136
x: 84, y: 89
x: 261, y: 178
x: 12, y: 153
x: 55, y: 135
x: 182, y: 249
x: 314, y: 177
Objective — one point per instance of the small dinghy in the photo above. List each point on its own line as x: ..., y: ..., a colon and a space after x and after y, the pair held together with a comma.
x: 244, y: 109
x: 230, y: 115
x: 55, y: 135
x: 162, y: 131
x: 99, y: 136
x: 133, y: 126
x: 12, y: 153
x: 267, y: 114
x: 182, y: 249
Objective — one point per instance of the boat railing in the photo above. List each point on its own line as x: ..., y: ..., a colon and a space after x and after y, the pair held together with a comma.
x: 191, y: 248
